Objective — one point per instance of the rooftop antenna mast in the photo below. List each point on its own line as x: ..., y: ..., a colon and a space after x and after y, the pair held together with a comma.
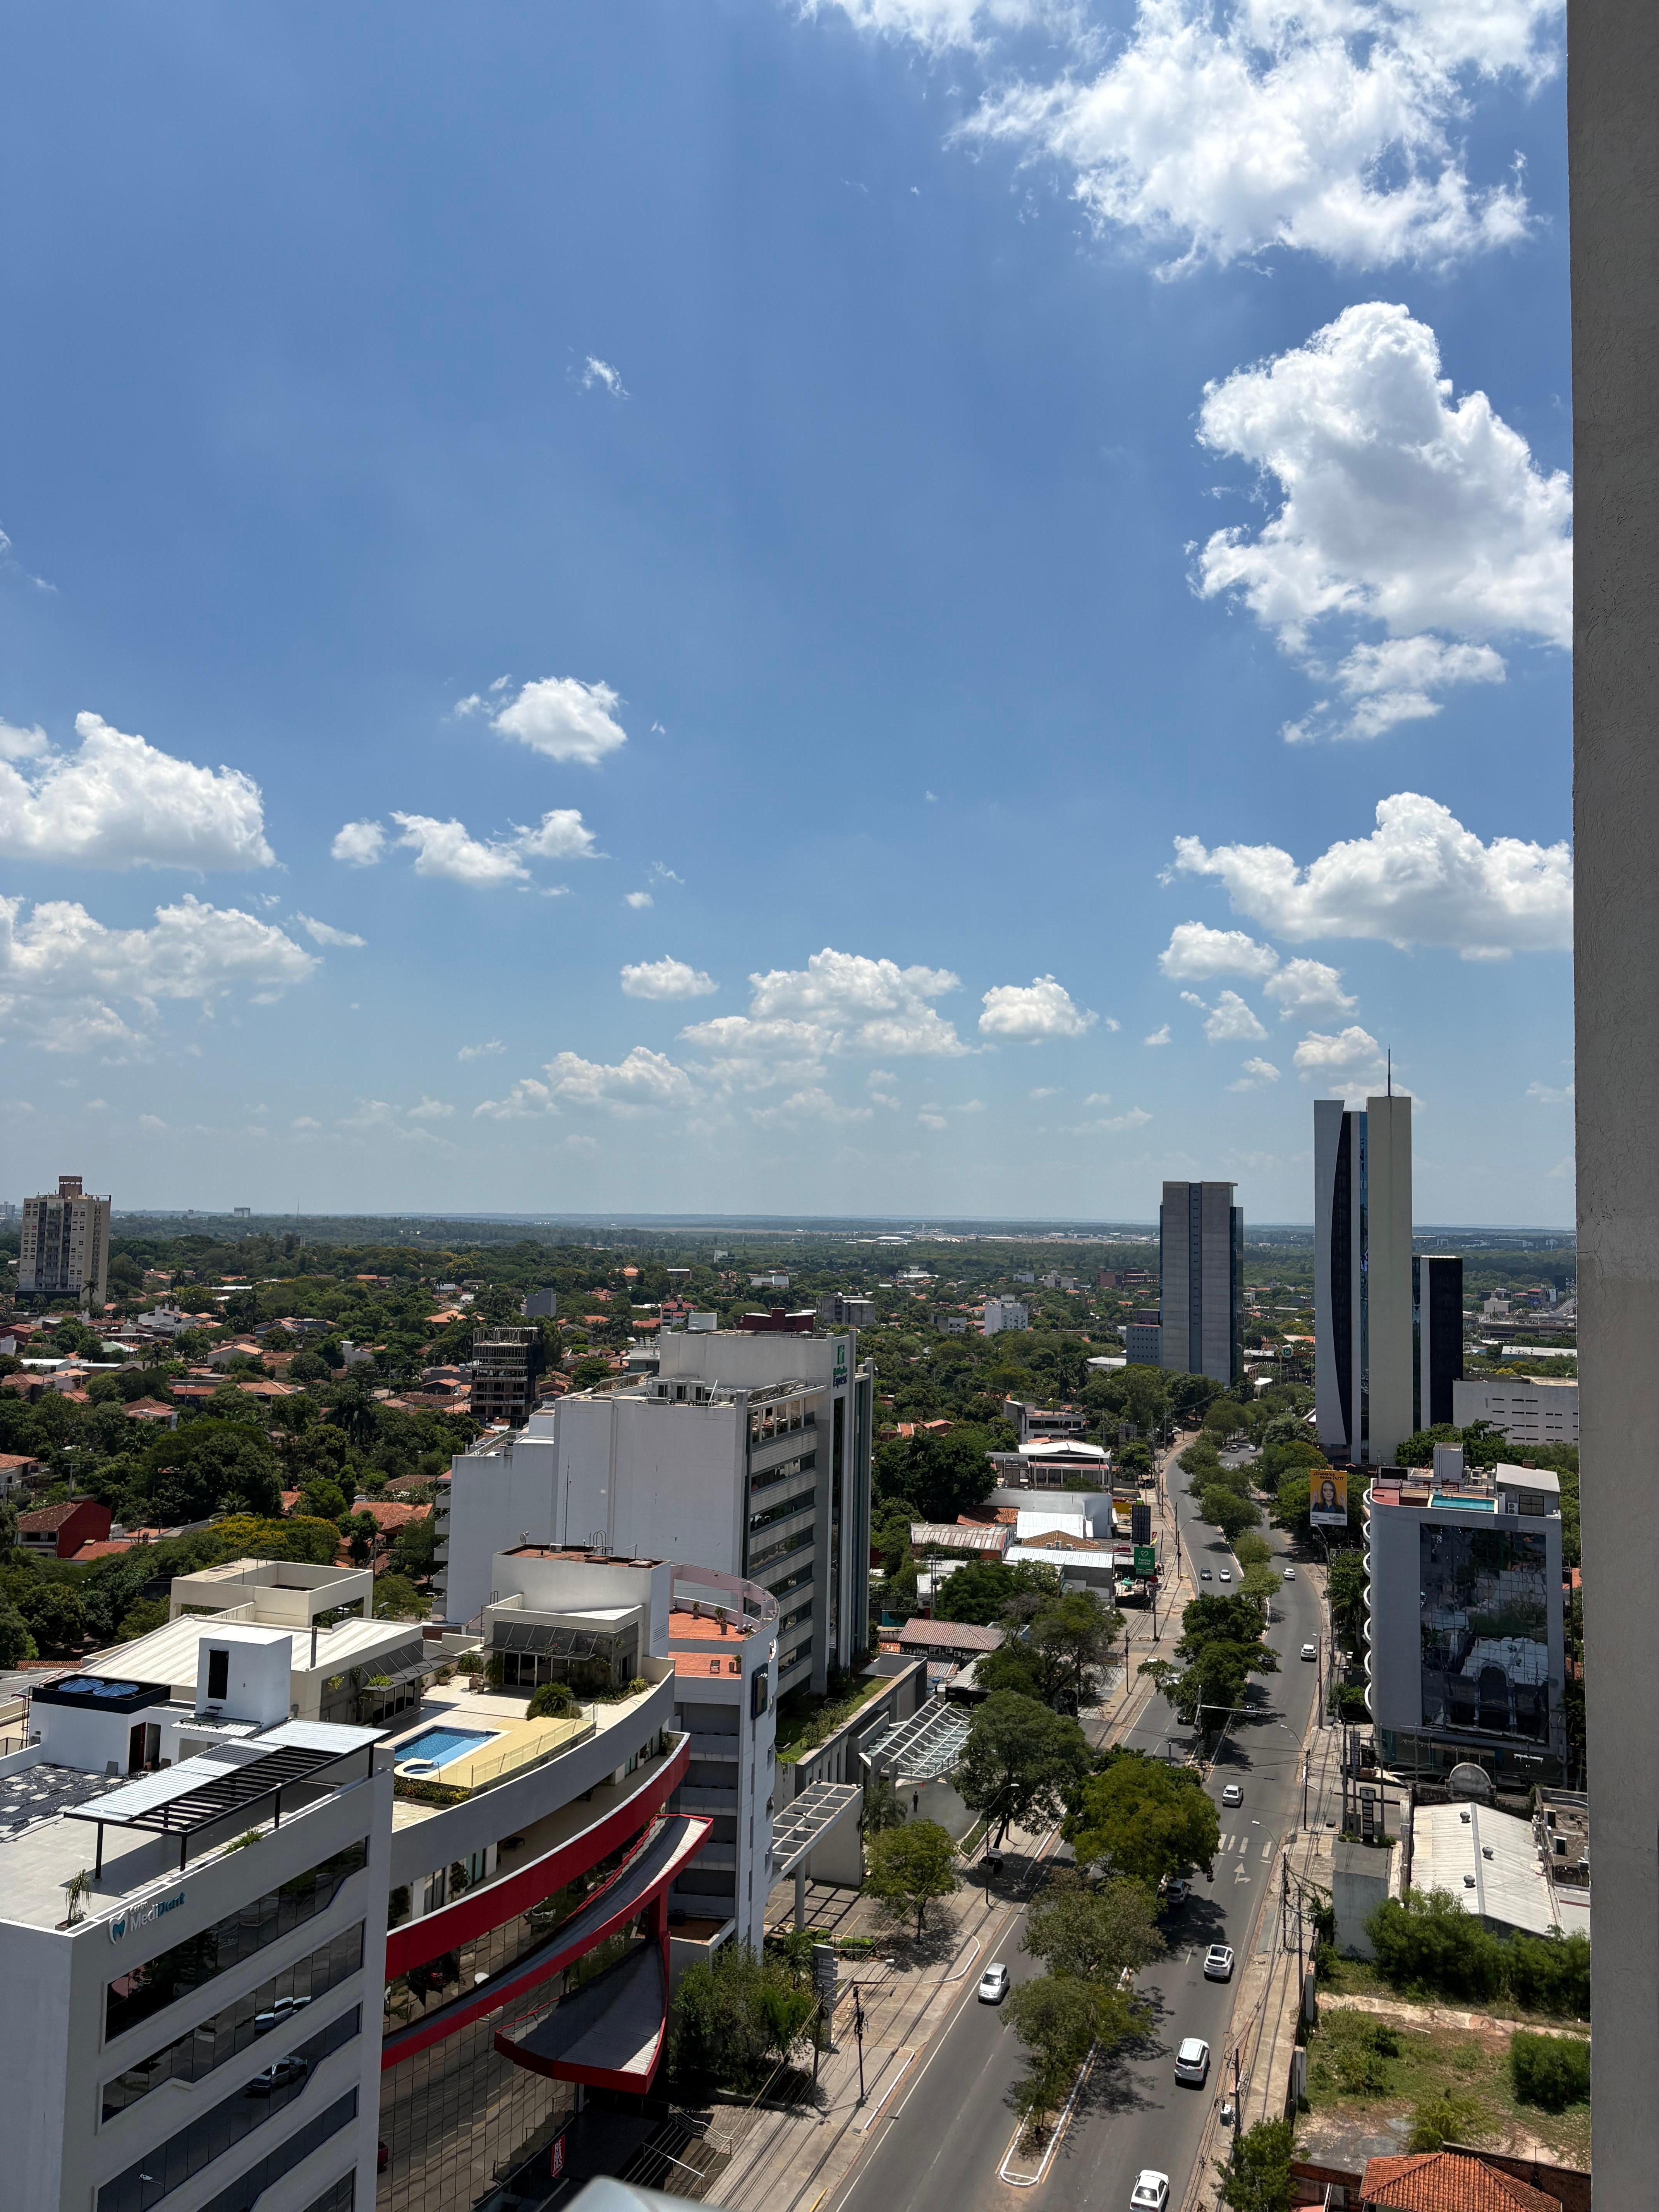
x: 1391, y: 1071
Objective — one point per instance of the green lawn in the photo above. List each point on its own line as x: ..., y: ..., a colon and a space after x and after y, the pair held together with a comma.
x: 1351, y: 2076
x: 805, y: 1722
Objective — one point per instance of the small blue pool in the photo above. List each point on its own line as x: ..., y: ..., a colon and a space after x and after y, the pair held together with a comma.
x: 436, y: 1747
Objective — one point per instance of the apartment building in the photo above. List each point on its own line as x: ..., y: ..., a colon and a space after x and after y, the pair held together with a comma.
x: 506, y: 1364
x: 193, y: 1952
x: 1004, y: 1313
x: 64, y: 1251
x: 847, y: 1310
x: 1466, y: 1654
x: 1528, y: 1411
x: 749, y: 1453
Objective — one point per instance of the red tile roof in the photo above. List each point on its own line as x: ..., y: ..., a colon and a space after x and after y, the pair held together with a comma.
x: 1447, y: 2181
x: 44, y: 1518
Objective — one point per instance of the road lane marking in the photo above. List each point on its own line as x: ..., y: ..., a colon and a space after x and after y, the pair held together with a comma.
x: 1267, y: 1847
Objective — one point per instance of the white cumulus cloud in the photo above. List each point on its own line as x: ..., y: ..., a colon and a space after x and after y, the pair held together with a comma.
x: 1195, y: 952
x: 360, y: 844
x: 667, y: 978
x: 1217, y: 130
x: 1399, y: 506
x: 840, y: 1004
x: 1308, y: 986
x: 1352, y: 1061
x: 813, y: 1104
x: 68, y: 983
x: 1259, y: 1075
x: 1032, y: 1013
x: 1136, y: 1118
x: 643, y: 1082
x: 638, y: 900
x: 447, y: 849
x: 481, y: 1051
x: 563, y: 719
x: 562, y: 836
x: 937, y: 24
x: 1420, y: 879
x: 117, y: 802
x: 324, y: 933
x: 1229, y: 1021
x: 1159, y: 1035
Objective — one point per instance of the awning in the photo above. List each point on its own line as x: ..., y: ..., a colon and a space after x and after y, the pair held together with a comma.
x: 609, y: 2035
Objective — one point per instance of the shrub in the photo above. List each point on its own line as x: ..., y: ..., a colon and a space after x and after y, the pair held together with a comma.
x: 552, y: 1702
x: 1429, y: 1942
x: 1551, y: 1974
x: 1446, y: 2119
x: 1550, y: 2070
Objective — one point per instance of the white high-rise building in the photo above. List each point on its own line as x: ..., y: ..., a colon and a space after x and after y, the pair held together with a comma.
x: 65, y: 1245
x: 747, y: 1453
x: 1364, y: 1392
x: 1004, y: 1313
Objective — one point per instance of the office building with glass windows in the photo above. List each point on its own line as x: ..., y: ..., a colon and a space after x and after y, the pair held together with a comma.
x: 1364, y: 1358
x: 1201, y: 1273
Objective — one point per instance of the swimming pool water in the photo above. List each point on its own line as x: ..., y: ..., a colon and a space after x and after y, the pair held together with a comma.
x: 437, y: 1746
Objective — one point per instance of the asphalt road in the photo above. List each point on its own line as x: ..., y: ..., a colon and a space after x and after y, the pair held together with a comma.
x: 951, y: 2127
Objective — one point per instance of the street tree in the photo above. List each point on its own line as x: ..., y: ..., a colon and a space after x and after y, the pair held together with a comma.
x: 1225, y: 1510
x: 1059, y: 2019
x: 910, y: 1868
x: 1020, y: 1763
x: 1258, y: 2179
x: 1144, y: 1820
x: 1093, y: 1931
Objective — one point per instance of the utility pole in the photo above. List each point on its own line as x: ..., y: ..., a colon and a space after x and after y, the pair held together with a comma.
x: 1307, y: 1761
x: 858, y: 2022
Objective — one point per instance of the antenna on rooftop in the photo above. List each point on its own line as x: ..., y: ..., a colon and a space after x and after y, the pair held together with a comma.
x: 1391, y: 1071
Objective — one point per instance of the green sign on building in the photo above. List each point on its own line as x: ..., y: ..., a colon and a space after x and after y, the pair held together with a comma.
x: 1145, y: 1560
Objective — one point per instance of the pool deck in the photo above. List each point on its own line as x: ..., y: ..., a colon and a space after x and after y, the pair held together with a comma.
x: 515, y: 1741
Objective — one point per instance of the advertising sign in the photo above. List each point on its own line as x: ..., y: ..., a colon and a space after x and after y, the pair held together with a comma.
x: 1327, y: 1497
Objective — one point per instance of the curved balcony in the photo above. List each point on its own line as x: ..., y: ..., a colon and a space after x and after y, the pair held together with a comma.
x: 644, y: 1881
x: 609, y: 2035
x: 496, y: 1902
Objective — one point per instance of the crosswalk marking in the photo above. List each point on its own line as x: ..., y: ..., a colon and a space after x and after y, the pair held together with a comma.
x: 1267, y: 1848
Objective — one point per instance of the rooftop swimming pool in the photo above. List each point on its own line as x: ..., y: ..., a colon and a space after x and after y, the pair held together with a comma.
x: 436, y: 1747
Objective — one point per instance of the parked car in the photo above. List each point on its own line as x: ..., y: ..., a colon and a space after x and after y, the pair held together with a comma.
x: 1152, y: 2191
x: 1176, y: 1892
x: 991, y: 1861
x: 1193, y: 2062
x: 1232, y: 1795
x: 1290, y: 1574
x: 994, y: 1983
x: 1310, y: 1651
x: 1218, y: 1963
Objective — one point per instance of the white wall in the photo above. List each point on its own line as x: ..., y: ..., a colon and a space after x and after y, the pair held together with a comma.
x: 656, y: 1480
x: 497, y: 1500
x: 1526, y: 1412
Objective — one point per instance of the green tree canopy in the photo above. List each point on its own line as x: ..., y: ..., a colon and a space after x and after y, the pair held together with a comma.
x: 1072, y: 1635
x: 735, y: 2017
x: 978, y: 1591
x: 1020, y: 1763
x: 1144, y: 1818
x: 910, y: 1868
x: 1259, y: 2178
x: 941, y: 1475
x: 1093, y: 1931
x: 210, y: 1466
x: 1225, y: 1510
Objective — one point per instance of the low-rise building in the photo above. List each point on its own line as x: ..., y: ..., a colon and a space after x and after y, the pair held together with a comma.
x: 1031, y: 1422
x: 58, y: 1532
x: 1002, y: 1313
x: 1528, y: 1411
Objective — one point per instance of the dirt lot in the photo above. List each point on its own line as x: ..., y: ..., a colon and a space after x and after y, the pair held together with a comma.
x: 1367, y: 2075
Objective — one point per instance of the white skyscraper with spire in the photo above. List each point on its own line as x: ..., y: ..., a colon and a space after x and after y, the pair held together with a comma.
x: 1363, y: 1329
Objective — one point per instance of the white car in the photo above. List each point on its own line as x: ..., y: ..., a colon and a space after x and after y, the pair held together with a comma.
x: 1310, y: 1651
x: 1232, y: 1795
x: 1152, y: 2191
x: 1290, y: 1574
x: 1218, y: 1963
x: 994, y: 1983
x: 1226, y: 1575
x: 1193, y: 2062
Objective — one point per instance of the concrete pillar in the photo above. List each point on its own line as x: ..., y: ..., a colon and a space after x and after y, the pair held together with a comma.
x: 1613, y: 149
x: 801, y: 1894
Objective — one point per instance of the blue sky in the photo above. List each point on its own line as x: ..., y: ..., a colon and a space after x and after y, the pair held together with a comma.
x: 807, y: 582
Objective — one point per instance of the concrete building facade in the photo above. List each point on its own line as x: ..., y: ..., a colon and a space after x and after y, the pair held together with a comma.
x: 64, y: 1251
x: 1201, y: 1256
x: 1529, y: 1412
x: 1365, y: 1385
x: 749, y: 1453
x: 1004, y: 1313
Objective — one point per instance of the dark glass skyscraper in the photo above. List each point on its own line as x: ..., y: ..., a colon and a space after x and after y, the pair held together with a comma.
x: 1202, y: 1260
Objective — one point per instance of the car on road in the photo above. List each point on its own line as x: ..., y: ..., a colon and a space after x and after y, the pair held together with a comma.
x: 1177, y: 1893
x: 994, y: 1983
x: 1193, y: 2062
x: 1226, y: 1574
x: 1204, y: 1575
x: 1310, y: 1651
x: 1290, y: 1574
x: 1218, y: 1963
x: 1151, y: 2191
x: 1232, y: 1795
